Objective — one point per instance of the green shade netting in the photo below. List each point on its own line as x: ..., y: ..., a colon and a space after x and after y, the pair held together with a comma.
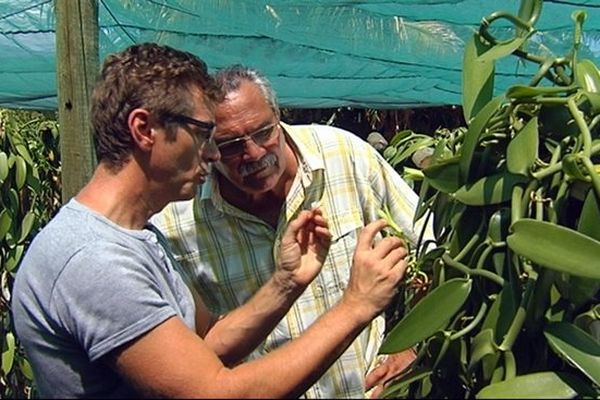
x: 317, y: 53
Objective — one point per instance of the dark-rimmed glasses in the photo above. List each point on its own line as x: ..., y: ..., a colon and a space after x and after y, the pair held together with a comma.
x: 206, y: 129
x: 236, y: 146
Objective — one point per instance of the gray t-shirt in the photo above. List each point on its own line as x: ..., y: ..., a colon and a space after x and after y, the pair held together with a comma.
x: 85, y: 287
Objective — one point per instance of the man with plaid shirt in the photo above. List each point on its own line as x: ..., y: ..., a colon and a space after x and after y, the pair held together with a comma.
x: 268, y: 172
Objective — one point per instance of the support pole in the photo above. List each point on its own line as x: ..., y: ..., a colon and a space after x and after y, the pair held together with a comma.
x: 77, y: 66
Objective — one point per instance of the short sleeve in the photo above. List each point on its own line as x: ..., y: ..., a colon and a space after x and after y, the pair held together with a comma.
x: 108, y: 294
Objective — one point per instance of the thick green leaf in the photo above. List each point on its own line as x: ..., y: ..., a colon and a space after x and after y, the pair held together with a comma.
x: 26, y: 226
x: 540, y: 385
x: 8, y: 353
x: 25, y: 368
x: 589, y: 219
x: 501, y: 313
x: 489, y: 190
x: 444, y: 175
x: 429, y: 315
x: 503, y: 49
x: 473, y: 133
x: 13, y: 198
x: 23, y: 152
x: 14, y: 257
x: 587, y: 76
x: 33, y: 179
x: 477, y: 78
x: 400, y: 136
x: 577, y: 346
x: 498, y: 225
x: 3, y: 166
x: 410, y: 150
x: 523, y: 149
x: 20, y: 172
x: 483, y: 344
x: 5, y: 223
x: 523, y: 91
x: 406, y: 379
x: 556, y: 247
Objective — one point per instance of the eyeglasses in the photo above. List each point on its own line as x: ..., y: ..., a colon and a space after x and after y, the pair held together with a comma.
x: 206, y: 129
x: 236, y: 146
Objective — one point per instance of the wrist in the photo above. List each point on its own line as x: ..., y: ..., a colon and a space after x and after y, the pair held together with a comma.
x: 284, y: 284
x: 360, y: 309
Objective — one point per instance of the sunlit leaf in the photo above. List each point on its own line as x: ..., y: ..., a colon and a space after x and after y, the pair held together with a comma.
x: 556, y: 247
x: 474, y: 131
x: 577, y: 346
x: 20, y: 172
x: 23, y: 152
x: 5, y: 223
x: 14, y: 257
x: 489, y: 190
x: 524, y: 91
x: 8, y: 352
x: 444, y: 175
x: 3, y: 166
x: 477, y: 78
x: 523, y: 149
x: 26, y: 226
x: 503, y: 49
x: 25, y: 368
x: 483, y: 344
x: 429, y: 315
x: 540, y: 385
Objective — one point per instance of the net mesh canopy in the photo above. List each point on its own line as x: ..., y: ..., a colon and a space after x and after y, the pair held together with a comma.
x: 317, y: 53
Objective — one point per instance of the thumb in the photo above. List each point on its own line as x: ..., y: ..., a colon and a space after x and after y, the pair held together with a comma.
x: 366, y: 236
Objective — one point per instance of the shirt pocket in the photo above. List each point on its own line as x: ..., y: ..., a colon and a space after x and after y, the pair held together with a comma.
x: 334, y: 277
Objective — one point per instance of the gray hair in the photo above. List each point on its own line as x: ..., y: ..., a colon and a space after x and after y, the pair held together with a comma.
x: 230, y: 79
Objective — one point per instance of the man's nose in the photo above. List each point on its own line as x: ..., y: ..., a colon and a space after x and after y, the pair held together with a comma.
x: 210, y: 152
x: 253, y: 151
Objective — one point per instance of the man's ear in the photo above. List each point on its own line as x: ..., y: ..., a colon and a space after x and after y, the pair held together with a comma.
x: 141, y: 129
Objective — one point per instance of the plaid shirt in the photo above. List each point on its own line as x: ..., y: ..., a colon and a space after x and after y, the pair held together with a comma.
x: 228, y: 254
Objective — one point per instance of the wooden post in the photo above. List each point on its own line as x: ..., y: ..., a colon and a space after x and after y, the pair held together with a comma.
x: 77, y: 66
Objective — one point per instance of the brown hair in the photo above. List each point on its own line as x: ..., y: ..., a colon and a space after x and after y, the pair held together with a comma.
x: 155, y: 77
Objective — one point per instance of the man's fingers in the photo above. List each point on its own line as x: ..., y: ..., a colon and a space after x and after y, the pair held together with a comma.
x: 391, y: 248
x: 367, y: 234
x: 375, y: 377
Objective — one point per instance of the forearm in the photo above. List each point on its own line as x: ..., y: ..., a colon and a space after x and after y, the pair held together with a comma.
x: 239, y: 332
x: 290, y: 370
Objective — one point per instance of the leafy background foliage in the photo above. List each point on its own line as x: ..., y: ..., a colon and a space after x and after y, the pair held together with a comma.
x: 29, y: 197
x: 513, y: 272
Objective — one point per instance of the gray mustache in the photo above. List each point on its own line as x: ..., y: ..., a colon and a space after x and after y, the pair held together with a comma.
x: 249, y: 168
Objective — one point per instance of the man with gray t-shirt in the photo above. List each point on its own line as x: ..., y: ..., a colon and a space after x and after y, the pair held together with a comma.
x: 98, y: 302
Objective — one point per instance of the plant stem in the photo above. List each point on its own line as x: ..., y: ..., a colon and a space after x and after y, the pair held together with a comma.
x: 478, y: 272
x: 519, y: 319
x: 472, y: 324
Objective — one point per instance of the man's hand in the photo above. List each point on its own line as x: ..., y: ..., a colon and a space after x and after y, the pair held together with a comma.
x: 391, y: 367
x: 303, y: 250
x: 376, y: 270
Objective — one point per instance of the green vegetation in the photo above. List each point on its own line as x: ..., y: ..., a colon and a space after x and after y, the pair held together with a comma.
x: 512, y: 308
x: 29, y: 196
